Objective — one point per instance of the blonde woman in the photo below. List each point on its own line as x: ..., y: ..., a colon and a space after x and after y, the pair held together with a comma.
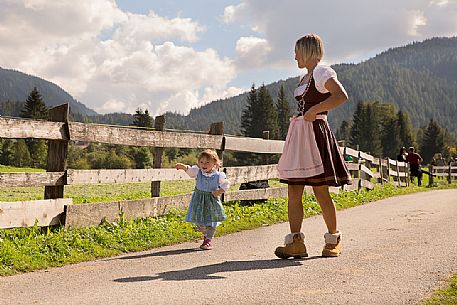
x: 311, y: 154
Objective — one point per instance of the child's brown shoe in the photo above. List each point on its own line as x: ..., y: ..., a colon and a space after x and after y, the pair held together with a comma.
x: 294, y: 246
x: 332, y: 246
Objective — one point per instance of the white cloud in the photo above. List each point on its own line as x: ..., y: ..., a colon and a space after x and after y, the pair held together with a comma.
x: 109, y: 59
x: 233, y: 12
x: 251, y: 51
x: 351, y: 29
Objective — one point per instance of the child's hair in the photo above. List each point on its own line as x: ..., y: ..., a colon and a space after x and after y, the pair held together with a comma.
x: 310, y: 47
x: 212, y: 155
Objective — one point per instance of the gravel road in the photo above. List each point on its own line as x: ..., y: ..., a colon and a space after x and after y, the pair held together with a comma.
x: 395, y: 251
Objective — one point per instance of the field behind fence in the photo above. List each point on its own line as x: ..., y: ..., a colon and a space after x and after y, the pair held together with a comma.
x: 366, y: 170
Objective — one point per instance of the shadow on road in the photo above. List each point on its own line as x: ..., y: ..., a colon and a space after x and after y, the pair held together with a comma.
x: 208, y: 272
x: 161, y: 253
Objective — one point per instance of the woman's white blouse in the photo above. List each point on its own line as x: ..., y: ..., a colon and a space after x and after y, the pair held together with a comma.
x: 321, y: 75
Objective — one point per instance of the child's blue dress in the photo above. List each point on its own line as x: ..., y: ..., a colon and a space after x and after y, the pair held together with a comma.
x: 204, y: 208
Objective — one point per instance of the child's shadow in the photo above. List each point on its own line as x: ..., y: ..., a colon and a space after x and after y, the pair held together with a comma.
x: 207, y: 272
x: 161, y: 253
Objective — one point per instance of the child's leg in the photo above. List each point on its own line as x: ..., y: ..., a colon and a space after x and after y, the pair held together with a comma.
x: 210, y: 232
x: 202, y: 229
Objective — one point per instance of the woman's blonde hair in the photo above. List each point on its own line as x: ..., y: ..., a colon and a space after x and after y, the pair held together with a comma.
x: 211, y: 155
x: 310, y: 46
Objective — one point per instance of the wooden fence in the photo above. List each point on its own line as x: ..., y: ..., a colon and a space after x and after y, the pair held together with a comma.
x: 442, y: 174
x: 366, y: 170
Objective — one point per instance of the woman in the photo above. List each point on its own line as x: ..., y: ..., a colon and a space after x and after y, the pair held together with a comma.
x: 311, y: 153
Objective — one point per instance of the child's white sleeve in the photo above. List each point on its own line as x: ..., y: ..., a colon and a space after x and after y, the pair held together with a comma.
x: 192, y: 171
x: 223, y: 181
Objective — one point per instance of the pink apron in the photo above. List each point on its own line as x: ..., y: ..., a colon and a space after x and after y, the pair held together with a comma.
x: 300, y: 156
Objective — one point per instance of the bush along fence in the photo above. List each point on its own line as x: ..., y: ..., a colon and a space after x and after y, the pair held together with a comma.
x: 366, y: 170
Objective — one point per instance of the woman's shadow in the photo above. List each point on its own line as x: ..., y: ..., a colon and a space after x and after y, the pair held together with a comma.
x: 207, y: 272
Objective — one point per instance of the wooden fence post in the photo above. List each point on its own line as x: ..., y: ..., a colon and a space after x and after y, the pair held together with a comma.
x: 381, y: 171
x: 430, y: 177
x: 159, y: 125
x: 218, y: 129
x: 449, y: 177
x: 388, y: 170
x: 398, y: 173
x: 57, y: 151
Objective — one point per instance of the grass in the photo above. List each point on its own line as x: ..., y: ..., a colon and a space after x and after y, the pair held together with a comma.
x: 444, y: 296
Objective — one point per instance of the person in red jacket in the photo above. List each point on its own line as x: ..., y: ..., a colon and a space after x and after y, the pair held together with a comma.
x: 414, y: 160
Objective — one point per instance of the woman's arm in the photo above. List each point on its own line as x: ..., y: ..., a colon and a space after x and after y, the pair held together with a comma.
x: 338, y: 96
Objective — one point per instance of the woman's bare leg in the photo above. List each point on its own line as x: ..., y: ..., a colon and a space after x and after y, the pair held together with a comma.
x: 295, y: 207
x: 328, y: 208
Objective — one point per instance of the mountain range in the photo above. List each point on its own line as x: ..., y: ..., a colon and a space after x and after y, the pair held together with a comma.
x: 419, y: 78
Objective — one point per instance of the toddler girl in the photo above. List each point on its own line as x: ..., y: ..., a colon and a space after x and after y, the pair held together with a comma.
x: 205, y: 208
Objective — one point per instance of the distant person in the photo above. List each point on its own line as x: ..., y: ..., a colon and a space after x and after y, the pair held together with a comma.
x: 311, y: 154
x: 205, y: 208
x: 415, y: 160
x: 402, y: 155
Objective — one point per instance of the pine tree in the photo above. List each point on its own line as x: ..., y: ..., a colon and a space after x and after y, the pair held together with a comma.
x: 283, y: 112
x: 267, y: 117
x: 34, y: 107
x: 432, y: 141
x: 344, y: 132
x: 142, y: 119
x: 249, y: 113
x: 21, y: 153
x: 365, y: 131
x: 405, y: 130
x: 389, y: 136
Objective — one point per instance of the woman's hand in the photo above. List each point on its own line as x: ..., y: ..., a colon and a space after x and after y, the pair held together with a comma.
x: 310, y: 115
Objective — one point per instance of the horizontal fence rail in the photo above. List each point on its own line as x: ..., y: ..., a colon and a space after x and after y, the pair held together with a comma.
x: 367, y: 171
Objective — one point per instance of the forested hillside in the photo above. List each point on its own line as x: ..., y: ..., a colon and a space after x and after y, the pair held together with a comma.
x: 15, y: 86
x: 420, y: 79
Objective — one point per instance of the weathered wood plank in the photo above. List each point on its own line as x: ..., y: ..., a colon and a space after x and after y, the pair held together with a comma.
x: 271, y: 192
x: 255, y: 145
x: 32, y: 179
x: 91, y: 214
x: 251, y: 173
x: 366, y: 156
x: 352, y: 152
x: 124, y: 175
x: 24, y: 213
x: 366, y: 184
x: 352, y: 166
x: 366, y: 170
x: 15, y: 128
x: 138, y: 137
x: 152, y: 207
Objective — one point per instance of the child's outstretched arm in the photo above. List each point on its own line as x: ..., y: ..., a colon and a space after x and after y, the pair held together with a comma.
x: 192, y: 171
x: 181, y: 166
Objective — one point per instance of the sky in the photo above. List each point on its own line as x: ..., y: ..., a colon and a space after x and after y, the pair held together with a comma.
x: 121, y: 55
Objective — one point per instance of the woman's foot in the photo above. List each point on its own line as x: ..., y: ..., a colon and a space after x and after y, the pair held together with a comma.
x: 206, y: 245
x: 294, y: 246
x: 332, y: 246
